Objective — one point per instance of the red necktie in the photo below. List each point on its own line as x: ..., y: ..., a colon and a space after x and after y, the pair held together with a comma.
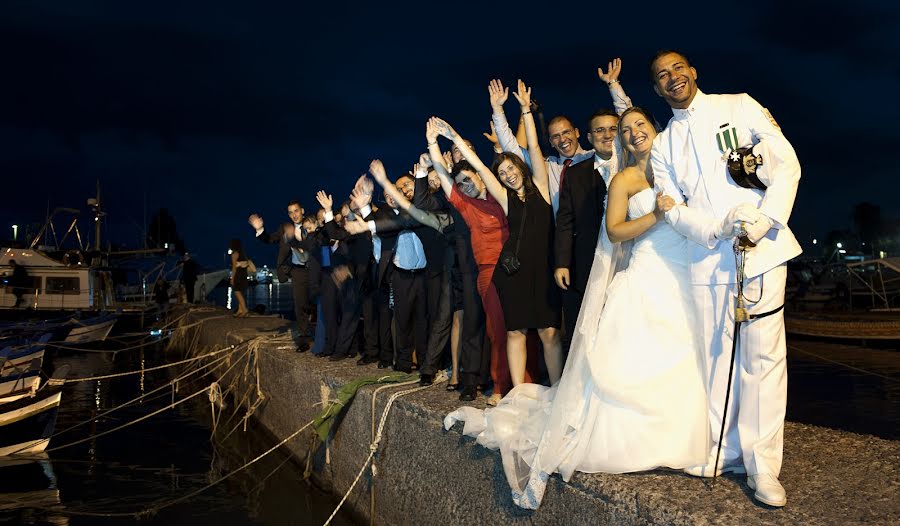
x: 562, y: 174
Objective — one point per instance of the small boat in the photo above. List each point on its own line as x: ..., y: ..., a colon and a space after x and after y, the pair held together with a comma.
x: 91, y: 330
x: 19, y: 353
x: 27, y: 423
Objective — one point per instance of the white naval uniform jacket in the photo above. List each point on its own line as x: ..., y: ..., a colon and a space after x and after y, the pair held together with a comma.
x: 689, y: 164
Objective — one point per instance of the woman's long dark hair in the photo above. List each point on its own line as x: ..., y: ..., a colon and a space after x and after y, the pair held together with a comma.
x: 235, y: 245
x: 527, y: 176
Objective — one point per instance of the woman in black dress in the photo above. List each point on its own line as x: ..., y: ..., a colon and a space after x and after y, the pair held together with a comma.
x: 528, y: 295
x: 239, y: 275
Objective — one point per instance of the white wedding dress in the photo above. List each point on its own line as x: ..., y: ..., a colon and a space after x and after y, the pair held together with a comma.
x: 632, y: 395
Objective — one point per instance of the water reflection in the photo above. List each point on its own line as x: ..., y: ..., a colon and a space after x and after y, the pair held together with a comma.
x: 154, y: 461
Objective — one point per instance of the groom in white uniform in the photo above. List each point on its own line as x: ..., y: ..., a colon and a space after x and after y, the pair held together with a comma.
x: 689, y: 160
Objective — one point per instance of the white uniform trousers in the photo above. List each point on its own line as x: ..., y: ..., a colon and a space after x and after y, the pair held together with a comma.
x: 755, y: 428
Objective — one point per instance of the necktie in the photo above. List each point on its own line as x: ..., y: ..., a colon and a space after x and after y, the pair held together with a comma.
x: 562, y: 174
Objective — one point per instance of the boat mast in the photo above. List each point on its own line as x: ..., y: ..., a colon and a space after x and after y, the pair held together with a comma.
x: 94, y: 203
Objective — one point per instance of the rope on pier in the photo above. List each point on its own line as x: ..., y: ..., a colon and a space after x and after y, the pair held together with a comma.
x: 373, y: 447
x: 61, y: 381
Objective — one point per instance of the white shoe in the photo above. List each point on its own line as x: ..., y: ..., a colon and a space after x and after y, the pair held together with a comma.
x: 706, y: 471
x: 767, y: 489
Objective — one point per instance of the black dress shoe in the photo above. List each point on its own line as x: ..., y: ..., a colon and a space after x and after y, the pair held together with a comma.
x: 406, y: 370
x: 366, y: 360
x: 384, y: 365
x: 425, y: 379
x: 303, y: 347
x: 338, y: 357
x: 468, y: 394
x: 323, y: 355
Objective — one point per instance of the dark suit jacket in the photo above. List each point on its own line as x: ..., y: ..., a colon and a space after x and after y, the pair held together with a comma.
x: 355, y: 251
x: 457, y: 235
x: 389, y: 225
x: 283, y: 260
x: 578, y: 221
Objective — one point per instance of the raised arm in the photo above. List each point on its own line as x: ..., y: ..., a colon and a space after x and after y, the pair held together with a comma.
x: 621, y: 102
x: 493, y: 185
x: 538, y: 167
x: 618, y: 227
x: 431, y: 136
x: 505, y: 138
x: 376, y: 168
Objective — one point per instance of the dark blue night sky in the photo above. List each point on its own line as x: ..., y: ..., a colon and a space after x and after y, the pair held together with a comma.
x: 218, y: 109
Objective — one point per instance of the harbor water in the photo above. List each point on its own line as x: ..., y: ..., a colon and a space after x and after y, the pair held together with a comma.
x: 142, y: 467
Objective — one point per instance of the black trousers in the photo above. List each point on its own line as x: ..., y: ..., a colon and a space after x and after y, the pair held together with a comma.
x: 350, y: 300
x: 410, y: 314
x: 440, y: 319
x: 474, y: 348
x: 189, y: 290
x: 331, y: 310
x: 571, y: 306
x: 377, y: 317
x: 300, y: 286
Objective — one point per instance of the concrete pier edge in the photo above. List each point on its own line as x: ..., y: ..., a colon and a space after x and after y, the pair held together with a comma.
x: 426, y: 475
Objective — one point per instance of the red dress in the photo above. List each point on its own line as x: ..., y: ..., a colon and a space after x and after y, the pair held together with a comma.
x: 489, y: 229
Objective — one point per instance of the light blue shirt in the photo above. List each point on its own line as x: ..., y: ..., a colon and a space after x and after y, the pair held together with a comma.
x: 410, y: 254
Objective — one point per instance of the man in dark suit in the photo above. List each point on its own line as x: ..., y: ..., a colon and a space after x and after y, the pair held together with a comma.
x: 291, y: 263
x: 350, y: 269
x: 403, y: 256
x: 582, y: 204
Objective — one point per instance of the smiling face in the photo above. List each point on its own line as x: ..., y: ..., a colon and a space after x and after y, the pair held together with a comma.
x: 510, y: 175
x: 637, y: 133
x: 406, y: 186
x: 295, y: 212
x: 469, y: 183
x: 674, y: 80
x: 603, y: 134
x: 563, y: 136
x: 434, y: 180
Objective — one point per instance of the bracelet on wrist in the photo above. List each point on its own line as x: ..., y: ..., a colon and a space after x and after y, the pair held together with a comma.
x: 613, y: 81
x: 525, y: 112
x: 432, y: 143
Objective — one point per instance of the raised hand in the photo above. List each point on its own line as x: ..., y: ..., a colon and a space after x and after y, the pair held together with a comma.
x: 376, y: 168
x: 431, y: 132
x: 498, y: 95
x: 612, y: 71
x: 325, y: 200
x: 448, y: 160
x: 364, y: 185
x: 523, y: 95
x: 357, y: 226
x: 442, y: 127
x: 359, y: 199
x: 492, y: 136
x: 255, y: 221
x: 425, y: 162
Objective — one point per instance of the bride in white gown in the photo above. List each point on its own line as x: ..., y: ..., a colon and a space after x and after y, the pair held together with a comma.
x: 632, y: 395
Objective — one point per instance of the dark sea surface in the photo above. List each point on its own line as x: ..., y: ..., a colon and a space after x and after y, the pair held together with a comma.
x: 155, y: 461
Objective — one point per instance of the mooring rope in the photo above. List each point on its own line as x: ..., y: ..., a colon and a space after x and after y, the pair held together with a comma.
x: 373, y: 447
x: 61, y: 381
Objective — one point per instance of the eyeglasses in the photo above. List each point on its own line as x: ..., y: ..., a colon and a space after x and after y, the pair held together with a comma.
x: 565, y: 133
x: 611, y: 129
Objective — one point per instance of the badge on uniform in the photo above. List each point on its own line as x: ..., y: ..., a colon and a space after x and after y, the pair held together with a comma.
x: 727, y: 139
x: 742, y: 167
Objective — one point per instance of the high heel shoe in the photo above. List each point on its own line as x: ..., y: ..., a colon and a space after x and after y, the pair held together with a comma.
x: 452, y: 387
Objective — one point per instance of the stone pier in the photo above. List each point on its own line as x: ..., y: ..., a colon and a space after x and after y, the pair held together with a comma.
x: 426, y: 475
